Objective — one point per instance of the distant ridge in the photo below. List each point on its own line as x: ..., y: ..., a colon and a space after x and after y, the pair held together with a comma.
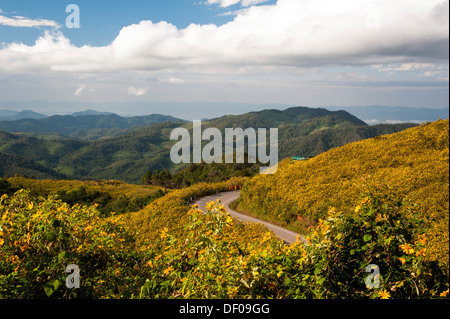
x: 69, y: 124
x: 127, y: 154
x: 9, y: 115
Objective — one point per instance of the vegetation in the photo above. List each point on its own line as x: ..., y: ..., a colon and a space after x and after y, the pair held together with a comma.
x: 381, y: 201
x: 152, y: 254
x: 68, y: 124
x: 108, y: 195
x: 413, y: 165
x: 127, y: 154
x: 196, y: 173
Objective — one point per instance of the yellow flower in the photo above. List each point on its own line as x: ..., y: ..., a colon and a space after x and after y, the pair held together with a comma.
x: 168, y: 270
x: 421, y: 252
x: 222, y: 209
x: 402, y: 260
x: 357, y: 208
x: 164, y: 233
x: 210, y: 205
x: 384, y: 294
x: 407, y: 249
x: 444, y: 293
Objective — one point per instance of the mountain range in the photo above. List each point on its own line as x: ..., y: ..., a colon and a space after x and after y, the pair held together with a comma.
x: 107, y: 146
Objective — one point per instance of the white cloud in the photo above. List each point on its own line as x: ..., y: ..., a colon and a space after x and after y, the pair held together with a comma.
x: 132, y: 91
x: 290, y: 34
x: 439, y: 71
x: 19, y: 21
x: 80, y: 89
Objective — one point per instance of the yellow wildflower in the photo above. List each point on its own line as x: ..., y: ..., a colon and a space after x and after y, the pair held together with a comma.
x: 222, y: 209
x: 384, y: 294
x: 164, y: 233
x: 210, y: 205
x: 168, y: 270
x: 407, y: 249
x: 421, y: 252
x: 357, y: 208
x: 444, y: 293
x: 402, y: 260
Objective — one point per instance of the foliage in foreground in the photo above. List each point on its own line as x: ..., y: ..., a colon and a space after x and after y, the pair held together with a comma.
x: 211, y: 256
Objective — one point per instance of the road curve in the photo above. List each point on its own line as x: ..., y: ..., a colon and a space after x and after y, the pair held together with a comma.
x: 229, y: 197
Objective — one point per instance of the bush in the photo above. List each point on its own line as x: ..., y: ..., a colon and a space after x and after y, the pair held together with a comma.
x: 379, y: 233
x: 39, y: 238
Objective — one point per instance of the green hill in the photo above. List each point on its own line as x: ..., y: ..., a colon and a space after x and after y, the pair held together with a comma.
x: 128, y: 153
x: 12, y: 165
x: 68, y: 124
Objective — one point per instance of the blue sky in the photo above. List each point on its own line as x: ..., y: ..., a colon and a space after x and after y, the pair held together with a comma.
x: 291, y: 52
x: 102, y: 20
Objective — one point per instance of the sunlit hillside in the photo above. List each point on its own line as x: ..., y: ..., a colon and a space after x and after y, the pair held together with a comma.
x: 410, y: 166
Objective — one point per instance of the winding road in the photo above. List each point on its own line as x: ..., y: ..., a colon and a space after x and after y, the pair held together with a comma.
x: 226, y: 198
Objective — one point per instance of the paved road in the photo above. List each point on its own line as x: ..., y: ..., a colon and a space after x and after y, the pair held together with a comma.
x: 229, y: 197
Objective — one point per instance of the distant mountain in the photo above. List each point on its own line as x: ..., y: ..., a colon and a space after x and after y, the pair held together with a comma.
x: 69, y: 124
x: 294, y: 115
x: 376, y: 114
x: 91, y: 112
x: 9, y: 115
x: 130, y: 154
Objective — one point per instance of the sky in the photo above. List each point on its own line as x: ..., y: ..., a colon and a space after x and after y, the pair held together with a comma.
x: 247, y: 52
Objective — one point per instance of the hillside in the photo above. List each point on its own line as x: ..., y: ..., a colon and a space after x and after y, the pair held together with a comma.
x: 70, y: 124
x: 108, y: 195
x: 412, y: 165
x: 127, y: 154
x: 11, y: 165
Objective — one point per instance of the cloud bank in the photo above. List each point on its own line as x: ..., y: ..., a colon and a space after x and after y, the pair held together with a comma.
x: 289, y: 34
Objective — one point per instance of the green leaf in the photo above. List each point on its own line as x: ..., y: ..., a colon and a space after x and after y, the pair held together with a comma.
x: 48, y: 290
x: 62, y: 255
x: 367, y: 237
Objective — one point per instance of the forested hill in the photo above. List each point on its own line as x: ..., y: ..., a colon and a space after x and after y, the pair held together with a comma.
x: 69, y: 124
x: 128, y: 154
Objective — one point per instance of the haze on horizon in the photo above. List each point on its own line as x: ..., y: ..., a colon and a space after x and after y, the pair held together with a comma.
x: 241, y: 52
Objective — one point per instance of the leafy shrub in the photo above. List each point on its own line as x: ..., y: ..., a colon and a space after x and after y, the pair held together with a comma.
x: 39, y: 238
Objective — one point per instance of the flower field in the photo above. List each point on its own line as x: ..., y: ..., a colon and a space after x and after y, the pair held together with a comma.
x: 380, y: 202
